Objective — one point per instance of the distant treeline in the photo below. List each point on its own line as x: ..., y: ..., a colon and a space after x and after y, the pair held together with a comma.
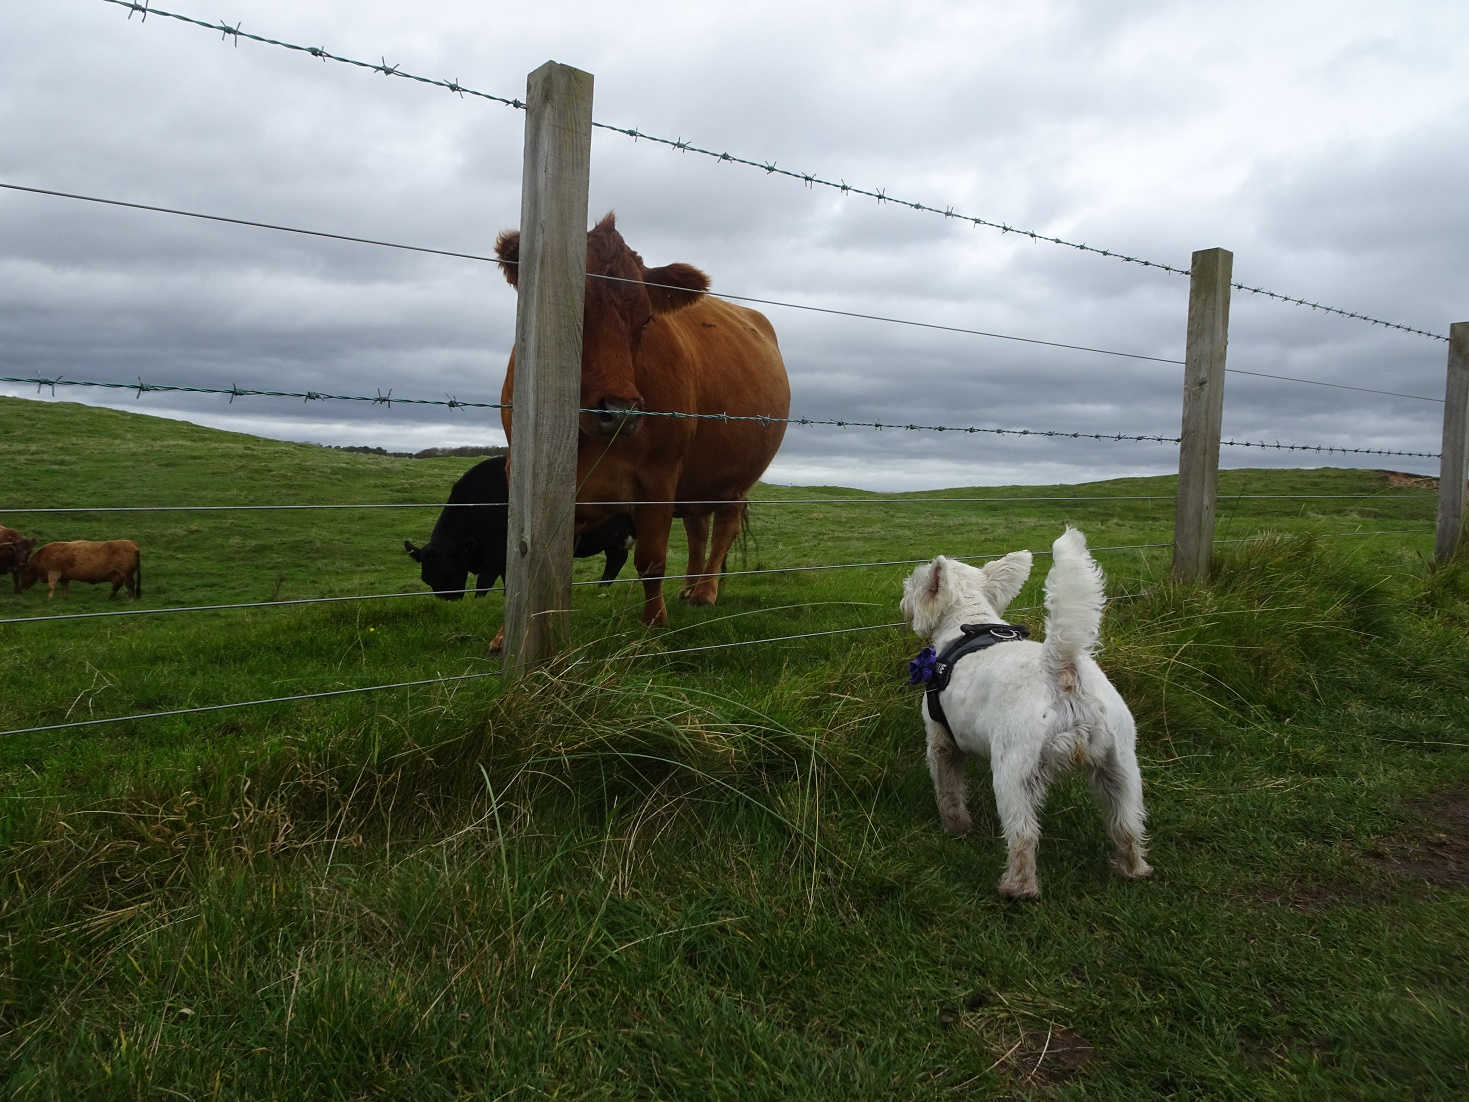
x: 426, y: 453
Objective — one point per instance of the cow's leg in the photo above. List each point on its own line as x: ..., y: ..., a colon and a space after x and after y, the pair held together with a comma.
x: 651, y: 556
x: 616, y: 557
x: 696, y: 528
x: 726, y: 528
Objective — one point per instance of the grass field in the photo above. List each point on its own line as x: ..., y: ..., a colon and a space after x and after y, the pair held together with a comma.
x: 680, y: 864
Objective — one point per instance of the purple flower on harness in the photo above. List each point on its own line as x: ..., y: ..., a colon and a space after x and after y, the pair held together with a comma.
x: 922, y: 668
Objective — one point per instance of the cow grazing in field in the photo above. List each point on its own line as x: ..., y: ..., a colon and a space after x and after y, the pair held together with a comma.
x: 115, y: 561
x: 469, y: 536
x: 15, y: 549
x: 653, y: 340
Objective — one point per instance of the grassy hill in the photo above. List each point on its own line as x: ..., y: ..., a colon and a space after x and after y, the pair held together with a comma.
x: 681, y: 864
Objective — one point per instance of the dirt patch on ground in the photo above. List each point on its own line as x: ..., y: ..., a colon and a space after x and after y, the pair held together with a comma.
x: 1029, y: 1048
x: 1437, y: 851
x: 1317, y: 896
x: 1417, y: 481
x: 1045, y: 1057
x: 1430, y: 851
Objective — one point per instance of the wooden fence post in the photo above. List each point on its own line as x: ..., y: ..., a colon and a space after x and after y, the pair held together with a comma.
x: 1454, y: 458
x: 1203, y: 412
x: 551, y: 288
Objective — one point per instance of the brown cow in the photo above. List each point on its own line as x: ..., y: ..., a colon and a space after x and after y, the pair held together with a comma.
x: 115, y: 561
x: 655, y: 341
x: 14, y: 550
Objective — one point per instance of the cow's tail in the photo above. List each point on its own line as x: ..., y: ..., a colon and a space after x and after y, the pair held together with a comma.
x: 138, y: 577
x: 747, y: 534
x: 1075, y: 595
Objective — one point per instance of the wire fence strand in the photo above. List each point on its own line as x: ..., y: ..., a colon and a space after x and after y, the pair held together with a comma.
x: 332, y: 693
x: 631, y: 580
x: 389, y: 399
x: 916, y: 499
x: 807, y: 307
x: 246, y: 222
x: 768, y: 167
x: 298, y: 697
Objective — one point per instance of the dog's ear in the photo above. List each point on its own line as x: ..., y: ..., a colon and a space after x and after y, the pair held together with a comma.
x: 920, y: 591
x: 1004, y: 577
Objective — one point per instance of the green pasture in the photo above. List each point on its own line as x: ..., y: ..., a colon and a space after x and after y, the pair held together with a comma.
x: 704, y: 861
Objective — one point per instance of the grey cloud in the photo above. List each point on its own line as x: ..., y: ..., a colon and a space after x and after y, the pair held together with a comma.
x: 1146, y: 130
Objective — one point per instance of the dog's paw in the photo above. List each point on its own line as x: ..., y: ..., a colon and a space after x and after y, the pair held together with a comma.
x: 957, y: 822
x: 1132, y: 866
x: 1018, y: 888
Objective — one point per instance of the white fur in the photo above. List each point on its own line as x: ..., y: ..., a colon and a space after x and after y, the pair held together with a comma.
x: 1031, y: 708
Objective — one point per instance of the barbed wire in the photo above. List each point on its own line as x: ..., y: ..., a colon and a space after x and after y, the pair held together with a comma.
x: 141, y: 388
x: 301, y: 697
x: 145, y: 8
x: 769, y: 167
x: 232, y: 392
x: 807, y: 307
x: 1325, y: 449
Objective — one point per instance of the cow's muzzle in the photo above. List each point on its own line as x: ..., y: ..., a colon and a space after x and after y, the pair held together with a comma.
x: 614, y: 417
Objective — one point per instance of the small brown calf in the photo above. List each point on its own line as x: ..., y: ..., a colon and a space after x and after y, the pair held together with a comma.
x: 115, y: 561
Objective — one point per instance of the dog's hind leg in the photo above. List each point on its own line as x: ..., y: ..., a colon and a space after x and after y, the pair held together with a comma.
x: 1119, y: 788
x: 1020, y: 781
x: 946, y: 767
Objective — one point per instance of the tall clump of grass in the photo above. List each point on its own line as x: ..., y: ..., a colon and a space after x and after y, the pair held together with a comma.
x: 603, y: 730
x: 1274, y: 622
x: 588, y: 733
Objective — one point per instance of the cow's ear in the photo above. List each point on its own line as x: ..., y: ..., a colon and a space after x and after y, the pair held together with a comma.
x: 674, y: 286
x: 413, y: 552
x: 507, y: 248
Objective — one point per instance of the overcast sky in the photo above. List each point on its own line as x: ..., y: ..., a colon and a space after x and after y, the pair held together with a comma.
x: 1323, y: 143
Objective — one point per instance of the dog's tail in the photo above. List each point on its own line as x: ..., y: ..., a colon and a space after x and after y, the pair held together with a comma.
x: 1075, y: 594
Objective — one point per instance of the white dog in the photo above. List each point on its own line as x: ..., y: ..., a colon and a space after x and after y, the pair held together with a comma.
x: 1033, y: 708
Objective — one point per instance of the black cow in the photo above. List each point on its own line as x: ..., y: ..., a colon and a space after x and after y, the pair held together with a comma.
x: 14, y: 551
x: 469, y: 536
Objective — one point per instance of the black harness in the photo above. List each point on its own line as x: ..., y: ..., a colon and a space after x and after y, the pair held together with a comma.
x: 976, y: 637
